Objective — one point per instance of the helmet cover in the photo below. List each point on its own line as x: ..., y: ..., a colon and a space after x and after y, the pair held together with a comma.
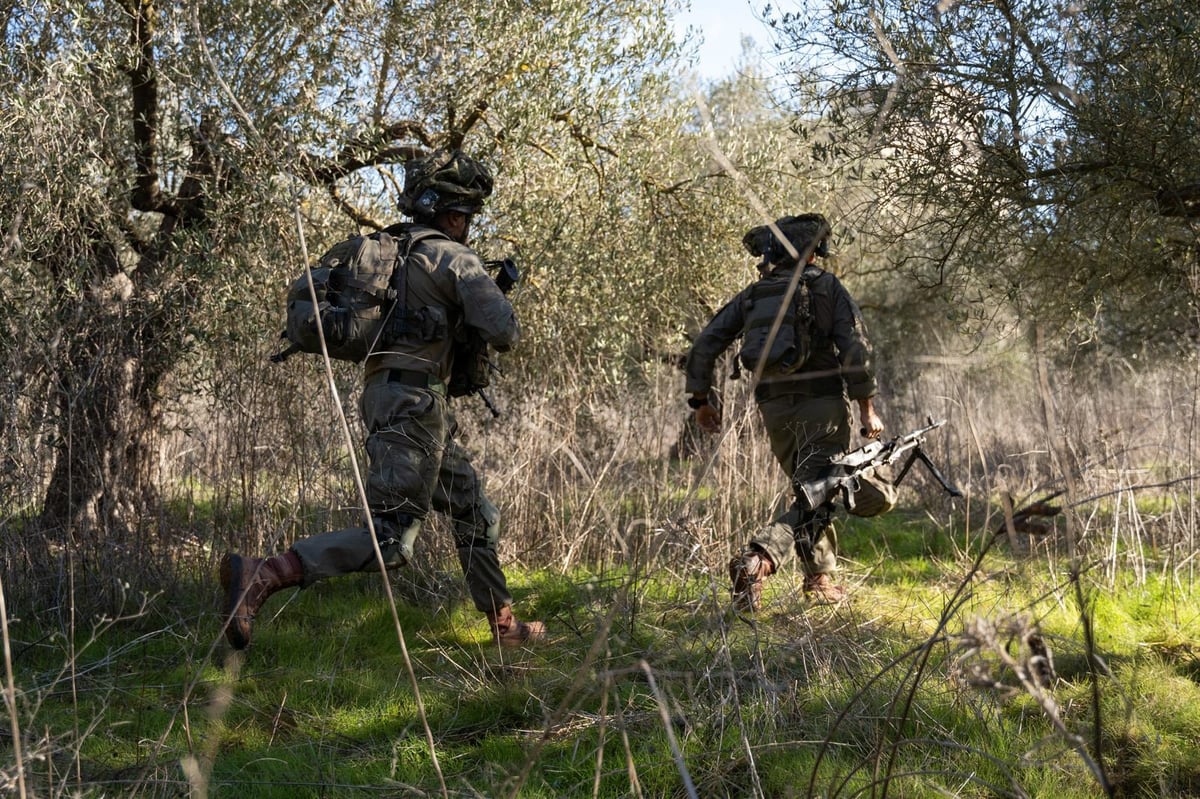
x: 801, y: 231
x: 447, y: 180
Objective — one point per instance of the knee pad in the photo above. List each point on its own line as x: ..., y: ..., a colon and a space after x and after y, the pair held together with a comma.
x: 481, y: 529
x: 397, y: 530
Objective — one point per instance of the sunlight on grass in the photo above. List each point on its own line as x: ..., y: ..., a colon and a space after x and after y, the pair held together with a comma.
x: 880, y: 686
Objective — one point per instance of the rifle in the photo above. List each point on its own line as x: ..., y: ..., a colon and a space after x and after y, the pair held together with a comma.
x: 507, y: 274
x: 846, y: 470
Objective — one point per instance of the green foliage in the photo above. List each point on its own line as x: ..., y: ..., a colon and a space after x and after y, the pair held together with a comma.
x: 155, y: 184
x: 162, y: 279
x: 1025, y: 156
x: 322, y: 701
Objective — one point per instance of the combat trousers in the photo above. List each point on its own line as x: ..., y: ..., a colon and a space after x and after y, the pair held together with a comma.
x: 805, y: 432
x: 415, y: 466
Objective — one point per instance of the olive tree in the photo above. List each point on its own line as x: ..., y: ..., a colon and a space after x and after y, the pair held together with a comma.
x: 157, y: 157
x: 634, y: 241
x: 1035, y: 156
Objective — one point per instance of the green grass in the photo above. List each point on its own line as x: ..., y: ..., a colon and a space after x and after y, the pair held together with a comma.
x: 884, y: 689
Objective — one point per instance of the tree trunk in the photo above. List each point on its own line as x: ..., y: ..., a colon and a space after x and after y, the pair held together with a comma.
x: 103, y: 475
x: 115, y: 344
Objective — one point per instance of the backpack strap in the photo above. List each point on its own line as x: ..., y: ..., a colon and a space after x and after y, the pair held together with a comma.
x: 406, y: 236
x: 286, y: 353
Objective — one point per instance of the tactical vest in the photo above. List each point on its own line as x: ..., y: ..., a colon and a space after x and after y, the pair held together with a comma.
x: 762, y: 305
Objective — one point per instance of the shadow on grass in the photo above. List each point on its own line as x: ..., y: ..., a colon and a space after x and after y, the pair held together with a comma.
x: 322, y: 703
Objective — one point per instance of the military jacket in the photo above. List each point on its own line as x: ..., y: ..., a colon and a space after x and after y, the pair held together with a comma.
x: 443, y: 274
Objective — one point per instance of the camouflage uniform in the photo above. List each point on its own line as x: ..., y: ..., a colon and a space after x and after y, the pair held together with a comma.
x: 415, y: 463
x: 805, y: 413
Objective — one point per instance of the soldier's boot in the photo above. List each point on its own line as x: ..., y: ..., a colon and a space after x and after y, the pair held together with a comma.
x: 247, y: 582
x: 820, y: 588
x: 746, y: 573
x: 507, y: 631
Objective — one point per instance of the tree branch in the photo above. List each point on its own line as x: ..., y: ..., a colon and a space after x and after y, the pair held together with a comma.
x: 147, y: 195
x: 578, y: 134
x: 458, y: 133
x: 1081, y: 168
x: 360, y: 219
x: 368, y: 150
x: 1179, y: 201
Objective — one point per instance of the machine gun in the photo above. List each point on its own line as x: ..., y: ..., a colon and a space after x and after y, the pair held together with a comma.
x: 846, y: 471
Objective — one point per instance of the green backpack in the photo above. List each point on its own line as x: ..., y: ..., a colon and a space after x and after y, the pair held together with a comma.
x: 360, y: 286
x: 792, y: 344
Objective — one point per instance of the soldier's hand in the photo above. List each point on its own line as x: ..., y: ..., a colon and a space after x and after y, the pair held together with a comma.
x: 872, y: 425
x: 708, y: 418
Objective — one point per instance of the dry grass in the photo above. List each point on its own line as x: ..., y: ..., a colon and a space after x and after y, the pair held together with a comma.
x: 588, y: 487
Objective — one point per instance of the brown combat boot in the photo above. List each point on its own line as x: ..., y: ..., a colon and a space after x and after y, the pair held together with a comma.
x: 507, y: 631
x: 746, y: 572
x: 247, y: 582
x: 821, y: 589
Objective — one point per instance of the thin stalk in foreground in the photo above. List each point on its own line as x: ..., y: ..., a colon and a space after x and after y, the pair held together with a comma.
x: 10, y: 694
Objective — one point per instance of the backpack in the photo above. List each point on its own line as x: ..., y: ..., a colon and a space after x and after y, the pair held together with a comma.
x: 360, y: 285
x: 793, y: 341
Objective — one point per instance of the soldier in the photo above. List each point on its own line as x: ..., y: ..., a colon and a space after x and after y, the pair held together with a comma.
x: 415, y: 464
x: 818, y: 358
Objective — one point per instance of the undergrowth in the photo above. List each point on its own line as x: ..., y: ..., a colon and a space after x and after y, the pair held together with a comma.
x: 973, y: 658
x: 651, y: 686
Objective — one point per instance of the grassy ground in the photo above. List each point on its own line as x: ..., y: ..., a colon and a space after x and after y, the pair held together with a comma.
x: 651, y: 687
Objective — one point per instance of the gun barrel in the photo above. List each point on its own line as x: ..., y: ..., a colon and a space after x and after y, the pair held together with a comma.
x: 507, y: 274
x: 929, y: 425
x: 889, y: 450
x: 868, y: 459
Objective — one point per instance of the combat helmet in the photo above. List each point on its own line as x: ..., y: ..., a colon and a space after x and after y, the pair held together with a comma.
x: 447, y: 180
x: 802, y: 232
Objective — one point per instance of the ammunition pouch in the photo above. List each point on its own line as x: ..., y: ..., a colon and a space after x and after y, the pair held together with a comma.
x: 472, y: 365
x: 873, y: 495
x: 427, y: 324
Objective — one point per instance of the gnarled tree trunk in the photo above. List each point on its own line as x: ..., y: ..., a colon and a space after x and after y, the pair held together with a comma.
x: 103, y: 471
